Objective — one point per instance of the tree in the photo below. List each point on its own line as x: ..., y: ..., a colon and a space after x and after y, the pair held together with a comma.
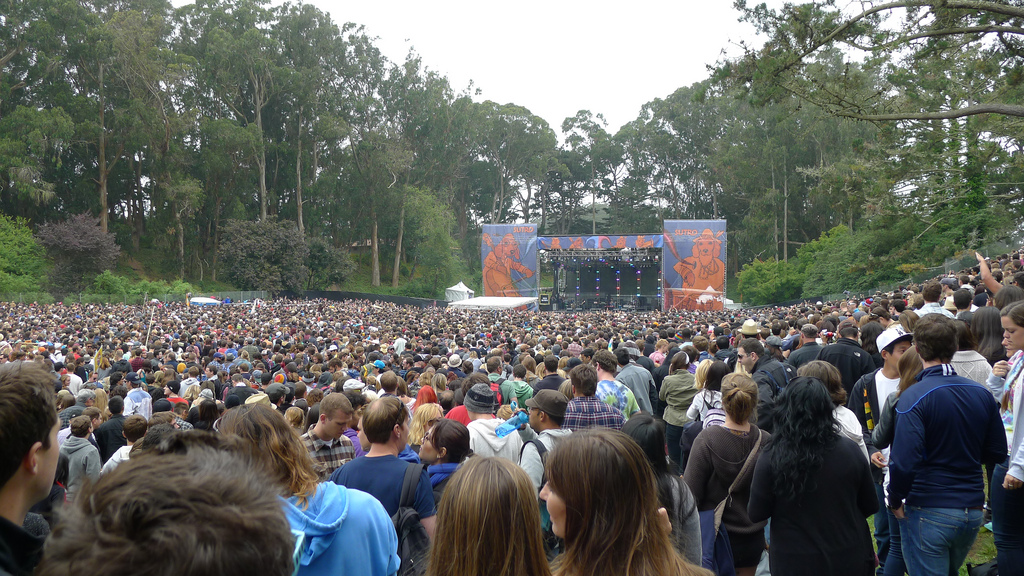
x: 769, y: 281
x: 327, y: 265
x: 265, y: 255
x: 22, y: 259
x: 80, y: 250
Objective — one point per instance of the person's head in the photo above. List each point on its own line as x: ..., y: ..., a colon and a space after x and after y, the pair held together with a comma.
x: 446, y: 442
x: 602, y: 495
x: 28, y: 425
x: 480, y: 399
x: 426, y: 395
x: 909, y: 367
x: 963, y: 298
x: 389, y: 382
x: 275, y: 445
x: 386, y: 422
x: 739, y: 397
x: 931, y: 291
x: 716, y: 372
x: 81, y: 426
x: 1007, y: 295
x: 584, y: 379
x: 893, y: 343
x: 808, y: 333
x: 134, y: 428
x: 547, y: 410
x: 750, y: 351
x: 551, y: 364
x: 115, y: 405
x: 425, y: 416
x: 829, y: 376
x: 606, y: 362
x: 649, y: 434
x: 935, y: 338
x: 680, y: 362
x: 1012, y: 320
x: 493, y: 365
x: 490, y: 502
x: 295, y: 417
x: 805, y: 430
x: 85, y: 398
x: 335, y: 416
x: 127, y: 519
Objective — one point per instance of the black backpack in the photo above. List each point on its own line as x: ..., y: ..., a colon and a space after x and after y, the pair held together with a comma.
x: 413, y: 541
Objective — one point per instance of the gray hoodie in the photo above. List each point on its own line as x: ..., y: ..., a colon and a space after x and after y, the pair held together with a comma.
x: 530, y: 461
x: 83, y: 464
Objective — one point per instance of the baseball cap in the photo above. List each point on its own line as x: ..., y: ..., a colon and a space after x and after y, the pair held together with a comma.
x: 891, y: 336
x: 258, y: 398
x: 132, y: 377
x: 550, y: 402
x: 353, y: 384
x: 379, y: 364
x: 774, y: 341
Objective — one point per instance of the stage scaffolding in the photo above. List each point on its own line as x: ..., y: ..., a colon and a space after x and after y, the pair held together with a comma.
x: 570, y: 295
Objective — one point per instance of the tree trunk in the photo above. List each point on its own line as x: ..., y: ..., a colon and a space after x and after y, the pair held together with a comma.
x: 102, y: 160
x: 298, y: 176
x: 374, y: 249
x: 398, y: 245
x: 526, y: 205
x: 216, y: 236
x: 261, y: 165
x: 785, y: 214
x: 137, y: 207
x: 179, y: 230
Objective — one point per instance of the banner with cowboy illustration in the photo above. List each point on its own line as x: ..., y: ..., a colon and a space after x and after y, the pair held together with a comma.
x: 694, y: 265
x: 509, y: 256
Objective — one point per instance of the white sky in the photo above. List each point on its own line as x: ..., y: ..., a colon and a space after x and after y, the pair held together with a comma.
x: 557, y: 57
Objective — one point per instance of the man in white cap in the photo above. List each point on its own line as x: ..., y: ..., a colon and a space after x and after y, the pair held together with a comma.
x: 455, y: 366
x: 867, y: 400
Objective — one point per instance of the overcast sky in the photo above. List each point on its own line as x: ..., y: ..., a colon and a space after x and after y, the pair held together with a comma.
x: 557, y: 57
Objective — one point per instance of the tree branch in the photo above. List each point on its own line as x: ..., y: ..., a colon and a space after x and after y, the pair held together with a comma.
x: 990, y: 108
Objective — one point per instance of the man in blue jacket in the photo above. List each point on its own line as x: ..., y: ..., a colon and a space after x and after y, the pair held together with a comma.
x: 946, y: 427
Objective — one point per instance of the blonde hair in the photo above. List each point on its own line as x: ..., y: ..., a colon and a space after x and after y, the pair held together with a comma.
x: 192, y: 392
x: 421, y: 421
x: 493, y: 502
x: 566, y: 389
x: 295, y: 417
x: 101, y: 402
x: 701, y: 376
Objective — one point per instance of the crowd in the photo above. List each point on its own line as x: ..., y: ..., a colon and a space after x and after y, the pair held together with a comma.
x: 317, y: 437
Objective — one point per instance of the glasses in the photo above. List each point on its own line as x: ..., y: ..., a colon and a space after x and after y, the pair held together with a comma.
x: 741, y: 356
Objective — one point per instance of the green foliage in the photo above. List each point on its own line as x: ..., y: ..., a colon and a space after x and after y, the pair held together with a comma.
x: 327, y: 264
x: 111, y: 283
x: 267, y: 255
x: 769, y: 281
x: 23, y: 262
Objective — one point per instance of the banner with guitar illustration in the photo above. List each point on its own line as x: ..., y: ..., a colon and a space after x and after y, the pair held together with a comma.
x: 509, y: 256
x: 693, y: 265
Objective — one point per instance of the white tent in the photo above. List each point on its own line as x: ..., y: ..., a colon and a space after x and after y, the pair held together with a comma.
x: 495, y: 303
x: 202, y: 301
x: 458, y: 292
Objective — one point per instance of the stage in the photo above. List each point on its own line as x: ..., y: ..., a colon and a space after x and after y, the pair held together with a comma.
x: 616, y: 279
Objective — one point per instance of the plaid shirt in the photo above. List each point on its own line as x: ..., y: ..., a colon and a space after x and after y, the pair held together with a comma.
x: 328, y: 458
x: 575, y: 349
x: 590, y: 412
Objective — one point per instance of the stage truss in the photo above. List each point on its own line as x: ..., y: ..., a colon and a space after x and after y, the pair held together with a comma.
x: 568, y: 264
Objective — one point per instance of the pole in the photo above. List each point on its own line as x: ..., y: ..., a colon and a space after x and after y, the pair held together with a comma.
x: 152, y: 314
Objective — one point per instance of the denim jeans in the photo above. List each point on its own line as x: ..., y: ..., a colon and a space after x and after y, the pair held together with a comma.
x: 894, y: 563
x: 1007, y: 524
x: 882, y: 539
x: 936, y: 540
x: 672, y: 436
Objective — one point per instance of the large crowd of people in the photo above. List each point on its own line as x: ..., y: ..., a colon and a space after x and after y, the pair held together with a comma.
x: 320, y: 437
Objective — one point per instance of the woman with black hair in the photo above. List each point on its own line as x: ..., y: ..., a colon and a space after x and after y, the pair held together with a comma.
x: 816, y: 487
x: 988, y: 332
x: 868, y: 333
x: 673, y: 494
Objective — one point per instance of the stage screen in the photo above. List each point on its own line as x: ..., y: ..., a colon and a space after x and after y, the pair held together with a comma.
x: 602, y: 280
x: 694, y: 267
x: 509, y: 256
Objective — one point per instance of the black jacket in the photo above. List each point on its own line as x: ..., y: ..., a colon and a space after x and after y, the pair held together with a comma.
x: 771, y: 376
x: 851, y: 360
x: 110, y: 437
x: 728, y: 356
x: 19, y: 550
x: 867, y: 411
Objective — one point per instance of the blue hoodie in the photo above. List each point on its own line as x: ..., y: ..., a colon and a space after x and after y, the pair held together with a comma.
x: 347, y: 532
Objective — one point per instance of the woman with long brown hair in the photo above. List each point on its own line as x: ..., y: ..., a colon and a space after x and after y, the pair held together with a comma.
x: 602, y: 496
x: 346, y: 531
x: 488, y: 523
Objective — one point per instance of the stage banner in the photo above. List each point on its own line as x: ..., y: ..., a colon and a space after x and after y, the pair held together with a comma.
x: 509, y: 256
x: 694, y: 265
x: 599, y: 242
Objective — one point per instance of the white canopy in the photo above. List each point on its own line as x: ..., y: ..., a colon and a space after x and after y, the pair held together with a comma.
x: 202, y: 301
x: 458, y: 292
x: 495, y: 303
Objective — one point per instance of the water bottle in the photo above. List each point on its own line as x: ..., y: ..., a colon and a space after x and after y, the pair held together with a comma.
x: 512, y: 424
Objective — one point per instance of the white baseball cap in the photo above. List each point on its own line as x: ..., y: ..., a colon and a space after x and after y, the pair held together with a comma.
x: 896, y: 333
